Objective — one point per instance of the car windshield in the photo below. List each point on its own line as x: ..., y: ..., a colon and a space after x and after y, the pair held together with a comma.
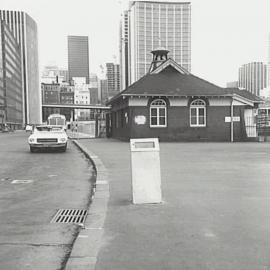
x: 46, y: 128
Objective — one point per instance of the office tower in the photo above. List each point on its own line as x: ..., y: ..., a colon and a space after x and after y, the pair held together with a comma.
x: 268, y: 64
x: 103, y: 86
x: 24, y: 28
x: 253, y: 77
x: 54, y: 74
x: 78, y: 57
x: 11, y: 87
x: 113, y: 79
x: 124, y: 66
x: 94, y: 95
x: 153, y: 24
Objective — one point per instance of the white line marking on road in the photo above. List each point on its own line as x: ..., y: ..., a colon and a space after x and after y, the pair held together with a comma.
x: 52, y: 175
x: 21, y: 181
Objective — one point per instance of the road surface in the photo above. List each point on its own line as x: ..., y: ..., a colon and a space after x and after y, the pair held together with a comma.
x: 57, y: 181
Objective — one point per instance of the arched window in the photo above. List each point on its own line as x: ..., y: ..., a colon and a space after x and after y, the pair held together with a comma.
x: 198, y: 113
x: 158, y: 113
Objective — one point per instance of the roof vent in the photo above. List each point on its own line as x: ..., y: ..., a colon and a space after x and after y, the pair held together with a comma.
x: 160, y: 55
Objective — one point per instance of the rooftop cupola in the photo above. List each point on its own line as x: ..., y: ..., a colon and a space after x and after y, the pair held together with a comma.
x: 160, y: 55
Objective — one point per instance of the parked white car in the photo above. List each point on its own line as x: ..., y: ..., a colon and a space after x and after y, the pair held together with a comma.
x: 48, y: 137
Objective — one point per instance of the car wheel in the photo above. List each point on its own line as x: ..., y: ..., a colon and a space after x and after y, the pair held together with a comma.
x: 32, y: 149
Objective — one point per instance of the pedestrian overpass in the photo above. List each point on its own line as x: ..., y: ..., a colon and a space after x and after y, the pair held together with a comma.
x: 69, y: 110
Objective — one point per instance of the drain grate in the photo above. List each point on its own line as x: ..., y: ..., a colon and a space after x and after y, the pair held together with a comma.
x: 76, y: 216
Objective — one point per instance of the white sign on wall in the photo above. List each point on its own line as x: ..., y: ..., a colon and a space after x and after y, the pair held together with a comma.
x: 140, y: 119
x: 235, y: 119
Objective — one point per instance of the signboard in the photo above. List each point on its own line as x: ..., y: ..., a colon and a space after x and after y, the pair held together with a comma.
x: 140, y: 119
x: 235, y: 119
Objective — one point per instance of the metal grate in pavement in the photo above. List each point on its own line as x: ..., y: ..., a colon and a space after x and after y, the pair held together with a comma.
x: 76, y: 216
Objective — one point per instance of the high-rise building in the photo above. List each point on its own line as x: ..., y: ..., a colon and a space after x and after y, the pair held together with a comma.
x: 268, y: 63
x: 103, y: 86
x: 11, y: 87
x: 113, y: 79
x: 253, y: 77
x: 124, y: 66
x: 24, y: 28
x: 95, y: 94
x: 78, y: 57
x: 149, y: 25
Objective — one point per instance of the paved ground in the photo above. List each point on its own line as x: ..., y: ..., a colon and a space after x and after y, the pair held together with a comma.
x: 215, y: 215
x: 60, y: 180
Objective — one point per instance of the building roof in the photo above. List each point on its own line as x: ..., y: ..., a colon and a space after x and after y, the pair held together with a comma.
x: 172, y: 81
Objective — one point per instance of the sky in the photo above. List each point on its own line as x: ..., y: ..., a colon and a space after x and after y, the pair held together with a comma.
x: 225, y: 34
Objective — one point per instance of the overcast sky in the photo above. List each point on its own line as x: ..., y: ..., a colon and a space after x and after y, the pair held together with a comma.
x: 225, y: 33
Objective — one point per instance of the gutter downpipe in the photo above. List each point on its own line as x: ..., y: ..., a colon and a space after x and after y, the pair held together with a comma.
x: 232, y: 120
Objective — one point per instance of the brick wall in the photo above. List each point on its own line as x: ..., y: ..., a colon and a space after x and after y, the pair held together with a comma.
x: 178, y: 127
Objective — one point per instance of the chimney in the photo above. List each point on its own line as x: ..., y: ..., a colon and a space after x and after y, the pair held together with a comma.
x: 160, y: 55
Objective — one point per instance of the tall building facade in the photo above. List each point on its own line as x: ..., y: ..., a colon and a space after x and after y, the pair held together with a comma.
x: 153, y: 24
x: 124, y: 55
x: 50, y: 93
x: 78, y: 57
x: 253, y: 77
x: 113, y: 79
x: 24, y: 28
x: 11, y: 87
x: 103, y: 86
x: 268, y: 63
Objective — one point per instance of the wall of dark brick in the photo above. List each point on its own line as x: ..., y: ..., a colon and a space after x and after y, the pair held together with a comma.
x: 178, y: 127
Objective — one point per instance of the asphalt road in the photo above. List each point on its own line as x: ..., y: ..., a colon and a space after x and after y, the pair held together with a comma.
x: 215, y: 214
x: 58, y: 180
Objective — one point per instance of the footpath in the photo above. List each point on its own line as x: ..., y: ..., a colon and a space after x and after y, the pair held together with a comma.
x: 214, y: 214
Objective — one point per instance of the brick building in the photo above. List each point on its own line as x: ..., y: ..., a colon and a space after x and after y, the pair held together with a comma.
x: 174, y: 105
x: 50, y: 93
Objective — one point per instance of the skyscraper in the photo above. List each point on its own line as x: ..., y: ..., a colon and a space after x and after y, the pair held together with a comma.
x: 113, y: 79
x: 124, y: 66
x: 24, y: 29
x: 153, y: 24
x: 78, y: 57
x: 11, y: 88
x: 268, y: 63
x: 253, y: 77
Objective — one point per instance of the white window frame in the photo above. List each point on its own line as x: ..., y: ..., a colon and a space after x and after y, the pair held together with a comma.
x: 197, y: 104
x: 158, y: 104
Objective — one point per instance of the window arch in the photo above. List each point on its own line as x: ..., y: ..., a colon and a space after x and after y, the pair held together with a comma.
x: 158, y: 113
x: 198, y: 113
